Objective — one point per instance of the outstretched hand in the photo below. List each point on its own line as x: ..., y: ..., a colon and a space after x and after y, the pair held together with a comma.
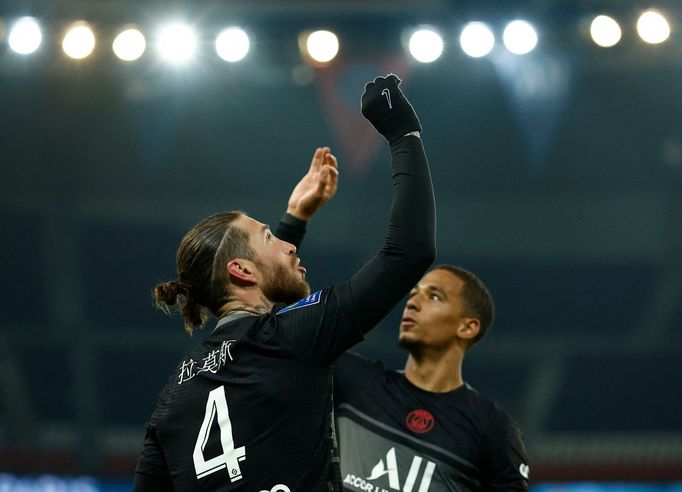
x: 317, y: 187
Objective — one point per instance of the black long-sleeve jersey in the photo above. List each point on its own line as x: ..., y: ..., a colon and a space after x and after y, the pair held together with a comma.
x: 395, y: 436
x: 249, y: 409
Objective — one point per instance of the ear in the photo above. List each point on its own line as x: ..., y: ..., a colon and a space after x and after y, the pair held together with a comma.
x: 241, y: 271
x: 469, y: 328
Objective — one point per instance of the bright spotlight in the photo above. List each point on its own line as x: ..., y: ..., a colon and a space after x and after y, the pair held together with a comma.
x: 232, y: 44
x: 605, y: 31
x: 129, y: 45
x: 79, y: 42
x: 426, y: 45
x: 25, y: 36
x: 177, y: 43
x: 322, y: 46
x: 519, y: 37
x: 652, y: 27
x: 477, y: 39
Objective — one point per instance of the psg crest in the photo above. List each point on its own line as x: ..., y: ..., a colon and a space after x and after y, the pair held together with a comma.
x: 420, y: 421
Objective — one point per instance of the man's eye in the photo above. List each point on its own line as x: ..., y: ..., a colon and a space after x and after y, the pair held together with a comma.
x: 435, y: 297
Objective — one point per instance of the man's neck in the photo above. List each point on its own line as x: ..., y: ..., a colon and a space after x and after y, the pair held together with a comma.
x: 436, y: 372
x: 246, y: 302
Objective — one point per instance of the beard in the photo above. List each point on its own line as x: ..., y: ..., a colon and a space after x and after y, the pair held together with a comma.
x: 282, y: 285
x: 409, y: 344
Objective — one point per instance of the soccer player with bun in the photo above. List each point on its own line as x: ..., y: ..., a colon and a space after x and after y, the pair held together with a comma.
x: 250, y: 408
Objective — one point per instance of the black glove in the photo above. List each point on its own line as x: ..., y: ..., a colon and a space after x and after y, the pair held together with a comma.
x: 385, y: 106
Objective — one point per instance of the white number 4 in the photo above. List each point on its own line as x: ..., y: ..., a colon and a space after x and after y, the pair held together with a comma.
x: 216, y: 405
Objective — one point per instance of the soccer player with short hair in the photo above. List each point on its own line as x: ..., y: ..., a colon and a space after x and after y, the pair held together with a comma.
x: 424, y: 428
x: 250, y: 408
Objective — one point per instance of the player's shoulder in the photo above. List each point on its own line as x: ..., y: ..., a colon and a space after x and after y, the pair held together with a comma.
x: 352, y: 368
x: 311, y: 300
x: 353, y: 360
x: 333, y: 296
x: 488, y: 409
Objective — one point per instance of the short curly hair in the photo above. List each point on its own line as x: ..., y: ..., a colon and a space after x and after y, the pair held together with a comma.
x: 477, y: 298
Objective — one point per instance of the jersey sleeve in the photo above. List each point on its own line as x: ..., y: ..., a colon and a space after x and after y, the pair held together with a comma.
x: 151, y: 472
x: 291, y: 229
x: 409, y: 246
x: 350, y: 371
x: 505, y: 459
x: 320, y: 327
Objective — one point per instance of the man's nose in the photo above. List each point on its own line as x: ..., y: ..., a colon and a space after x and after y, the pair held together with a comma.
x: 412, y: 303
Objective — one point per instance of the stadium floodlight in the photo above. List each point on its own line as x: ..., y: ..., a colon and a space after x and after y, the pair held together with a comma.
x: 129, y: 45
x: 177, y: 43
x: 477, y: 39
x: 232, y: 44
x: 426, y: 45
x: 79, y: 41
x: 605, y: 31
x: 25, y: 36
x: 520, y: 37
x: 322, y: 46
x: 652, y: 27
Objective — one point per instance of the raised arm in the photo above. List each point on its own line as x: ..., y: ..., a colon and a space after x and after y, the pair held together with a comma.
x: 409, y: 247
x: 323, y: 325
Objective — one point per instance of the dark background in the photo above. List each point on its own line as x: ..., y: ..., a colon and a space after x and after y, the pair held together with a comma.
x: 558, y: 179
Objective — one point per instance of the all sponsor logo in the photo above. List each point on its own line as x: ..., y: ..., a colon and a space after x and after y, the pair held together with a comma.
x: 418, y: 478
